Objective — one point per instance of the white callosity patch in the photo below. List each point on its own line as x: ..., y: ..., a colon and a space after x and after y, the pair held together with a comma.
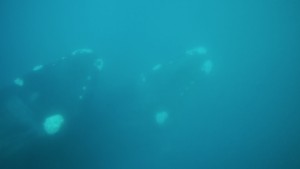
x: 82, y: 51
x: 161, y: 117
x: 19, y: 82
x: 207, y: 67
x: 157, y: 67
x: 197, y: 51
x: 37, y: 67
x: 52, y: 124
x: 99, y: 64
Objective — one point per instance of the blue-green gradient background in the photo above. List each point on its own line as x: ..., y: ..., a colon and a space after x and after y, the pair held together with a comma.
x: 247, y: 115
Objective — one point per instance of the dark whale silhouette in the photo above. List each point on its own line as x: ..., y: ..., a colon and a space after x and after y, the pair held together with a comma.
x: 42, y: 104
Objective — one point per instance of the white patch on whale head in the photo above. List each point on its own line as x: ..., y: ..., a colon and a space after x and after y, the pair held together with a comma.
x: 52, y: 124
x: 19, y: 82
x: 161, y: 117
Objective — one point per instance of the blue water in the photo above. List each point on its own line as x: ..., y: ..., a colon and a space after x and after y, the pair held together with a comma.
x: 244, y: 115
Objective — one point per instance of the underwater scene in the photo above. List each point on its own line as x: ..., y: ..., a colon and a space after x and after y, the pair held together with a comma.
x: 150, y: 84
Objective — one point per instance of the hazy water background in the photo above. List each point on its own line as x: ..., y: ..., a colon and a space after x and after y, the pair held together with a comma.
x: 248, y: 113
